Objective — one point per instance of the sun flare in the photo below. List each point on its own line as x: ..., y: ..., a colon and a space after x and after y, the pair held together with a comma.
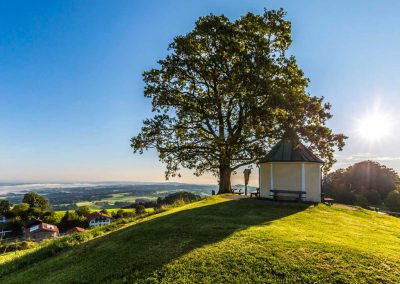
x: 375, y: 126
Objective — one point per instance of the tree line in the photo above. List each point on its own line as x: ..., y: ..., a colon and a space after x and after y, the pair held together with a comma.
x: 364, y: 184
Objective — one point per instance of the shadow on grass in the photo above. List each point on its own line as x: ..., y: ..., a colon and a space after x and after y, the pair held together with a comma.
x: 138, y: 253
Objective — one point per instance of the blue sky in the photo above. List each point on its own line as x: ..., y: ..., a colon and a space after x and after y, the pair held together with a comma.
x: 71, y: 91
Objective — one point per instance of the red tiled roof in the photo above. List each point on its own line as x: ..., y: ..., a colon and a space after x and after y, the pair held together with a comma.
x: 42, y: 227
x: 75, y: 230
x: 49, y: 227
x: 95, y: 215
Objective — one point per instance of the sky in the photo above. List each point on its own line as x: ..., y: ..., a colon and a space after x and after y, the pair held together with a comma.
x: 71, y: 89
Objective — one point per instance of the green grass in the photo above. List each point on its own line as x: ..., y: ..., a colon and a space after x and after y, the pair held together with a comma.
x: 218, y: 240
x: 115, y: 197
x: 61, y: 213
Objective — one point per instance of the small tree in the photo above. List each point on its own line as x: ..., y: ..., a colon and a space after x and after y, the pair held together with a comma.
x: 118, y: 214
x: 5, y: 207
x: 37, y: 201
x: 70, y: 220
x: 361, y: 201
x: 83, y: 210
x: 392, y: 201
x: 140, y: 209
x: 21, y: 210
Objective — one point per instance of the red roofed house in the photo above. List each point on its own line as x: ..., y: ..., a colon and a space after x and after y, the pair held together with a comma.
x: 98, y: 219
x: 75, y: 230
x: 39, y: 230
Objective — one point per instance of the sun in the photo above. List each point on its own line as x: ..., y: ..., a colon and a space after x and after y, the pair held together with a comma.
x: 375, y: 126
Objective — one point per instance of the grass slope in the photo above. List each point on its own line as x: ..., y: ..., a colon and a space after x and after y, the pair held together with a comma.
x: 235, y: 241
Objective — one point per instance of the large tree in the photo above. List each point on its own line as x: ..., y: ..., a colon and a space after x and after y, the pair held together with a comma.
x: 37, y: 201
x: 369, y: 179
x: 225, y: 93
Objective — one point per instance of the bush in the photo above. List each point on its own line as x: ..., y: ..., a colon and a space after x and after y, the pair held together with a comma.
x: 178, y: 197
x: 140, y: 209
x: 361, y: 201
x: 373, y: 197
x: 8, y: 247
x: 83, y: 210
x: 392, y: 201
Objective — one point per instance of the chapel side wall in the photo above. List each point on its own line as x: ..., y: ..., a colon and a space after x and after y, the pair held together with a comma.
x: 313, y: 182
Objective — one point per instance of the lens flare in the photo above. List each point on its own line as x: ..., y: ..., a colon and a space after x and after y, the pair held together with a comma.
x: 375, y: 126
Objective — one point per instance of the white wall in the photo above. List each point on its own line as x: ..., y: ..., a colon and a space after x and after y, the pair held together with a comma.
x: 288, y: 176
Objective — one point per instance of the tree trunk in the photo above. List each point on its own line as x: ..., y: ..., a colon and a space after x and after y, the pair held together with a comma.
x: 224, y: 180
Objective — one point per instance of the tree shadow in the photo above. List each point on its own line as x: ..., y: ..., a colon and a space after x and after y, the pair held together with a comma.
x: 139, y: 252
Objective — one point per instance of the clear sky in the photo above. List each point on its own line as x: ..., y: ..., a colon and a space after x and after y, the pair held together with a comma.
x: 71, y: 91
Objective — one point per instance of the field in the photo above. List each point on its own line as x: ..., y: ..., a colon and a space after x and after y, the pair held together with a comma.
x: 99, y: 195
x: 231, y: 241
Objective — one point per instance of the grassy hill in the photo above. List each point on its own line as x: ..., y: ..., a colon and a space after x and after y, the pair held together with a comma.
x: 236, y: 241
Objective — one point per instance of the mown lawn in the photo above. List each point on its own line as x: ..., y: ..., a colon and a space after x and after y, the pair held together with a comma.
x: 232, y: 241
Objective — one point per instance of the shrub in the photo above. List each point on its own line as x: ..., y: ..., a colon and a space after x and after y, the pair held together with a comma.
x: 83, y: 210
x: 361, y: 201
x: 373, y: 197
x: 140, y: 209
x: 392, y: 201
x: 8, y: 247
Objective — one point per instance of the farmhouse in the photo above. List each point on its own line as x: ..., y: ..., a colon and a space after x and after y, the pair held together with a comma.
x: 38, y: 230
x: 75, y: 230
x: 98, y: 219
x: 290, y: 171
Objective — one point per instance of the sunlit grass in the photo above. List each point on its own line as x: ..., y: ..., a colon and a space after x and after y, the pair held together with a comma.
x: 220, y: 240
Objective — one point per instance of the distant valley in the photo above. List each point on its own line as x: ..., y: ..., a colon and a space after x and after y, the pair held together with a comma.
x: 102, y: 195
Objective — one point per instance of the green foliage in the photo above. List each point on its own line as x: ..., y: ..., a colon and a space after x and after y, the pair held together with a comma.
x: 83, y: 210
x: 392, y: 201
x: 361, y: 201
x: 21, y: 210
x: 51, y: 248
x: 70, y: 220
x: 225, y: 241
x: 15, y: 225
x: 37, y: 201
x: 52, y: 218
x: 122, y: 214
x: 140, y: 209
x: 182, y: 196
x: 369, y: 179
x: 118, y: 214
x: 5, y: 207
x: 16, y: 246
x: 226, y: 92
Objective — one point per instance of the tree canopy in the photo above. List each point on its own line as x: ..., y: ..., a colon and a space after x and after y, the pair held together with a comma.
x: 37, y: 201
x: 368, y: 179
x: 5, y: 207
x: 226, y: 92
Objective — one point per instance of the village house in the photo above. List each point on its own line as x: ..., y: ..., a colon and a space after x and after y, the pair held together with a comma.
x: 75, y: 230
x: 98, y: 219
x: 290, y: 171
x: 39, y: 231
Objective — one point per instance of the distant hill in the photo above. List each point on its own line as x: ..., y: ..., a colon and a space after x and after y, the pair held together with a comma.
x: 219, y: 240
x: 104, y: 195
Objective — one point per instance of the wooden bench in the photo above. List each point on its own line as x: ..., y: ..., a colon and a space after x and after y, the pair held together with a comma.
x: 299, y: 194
x: 255, y: 193
x: 328, y: 201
